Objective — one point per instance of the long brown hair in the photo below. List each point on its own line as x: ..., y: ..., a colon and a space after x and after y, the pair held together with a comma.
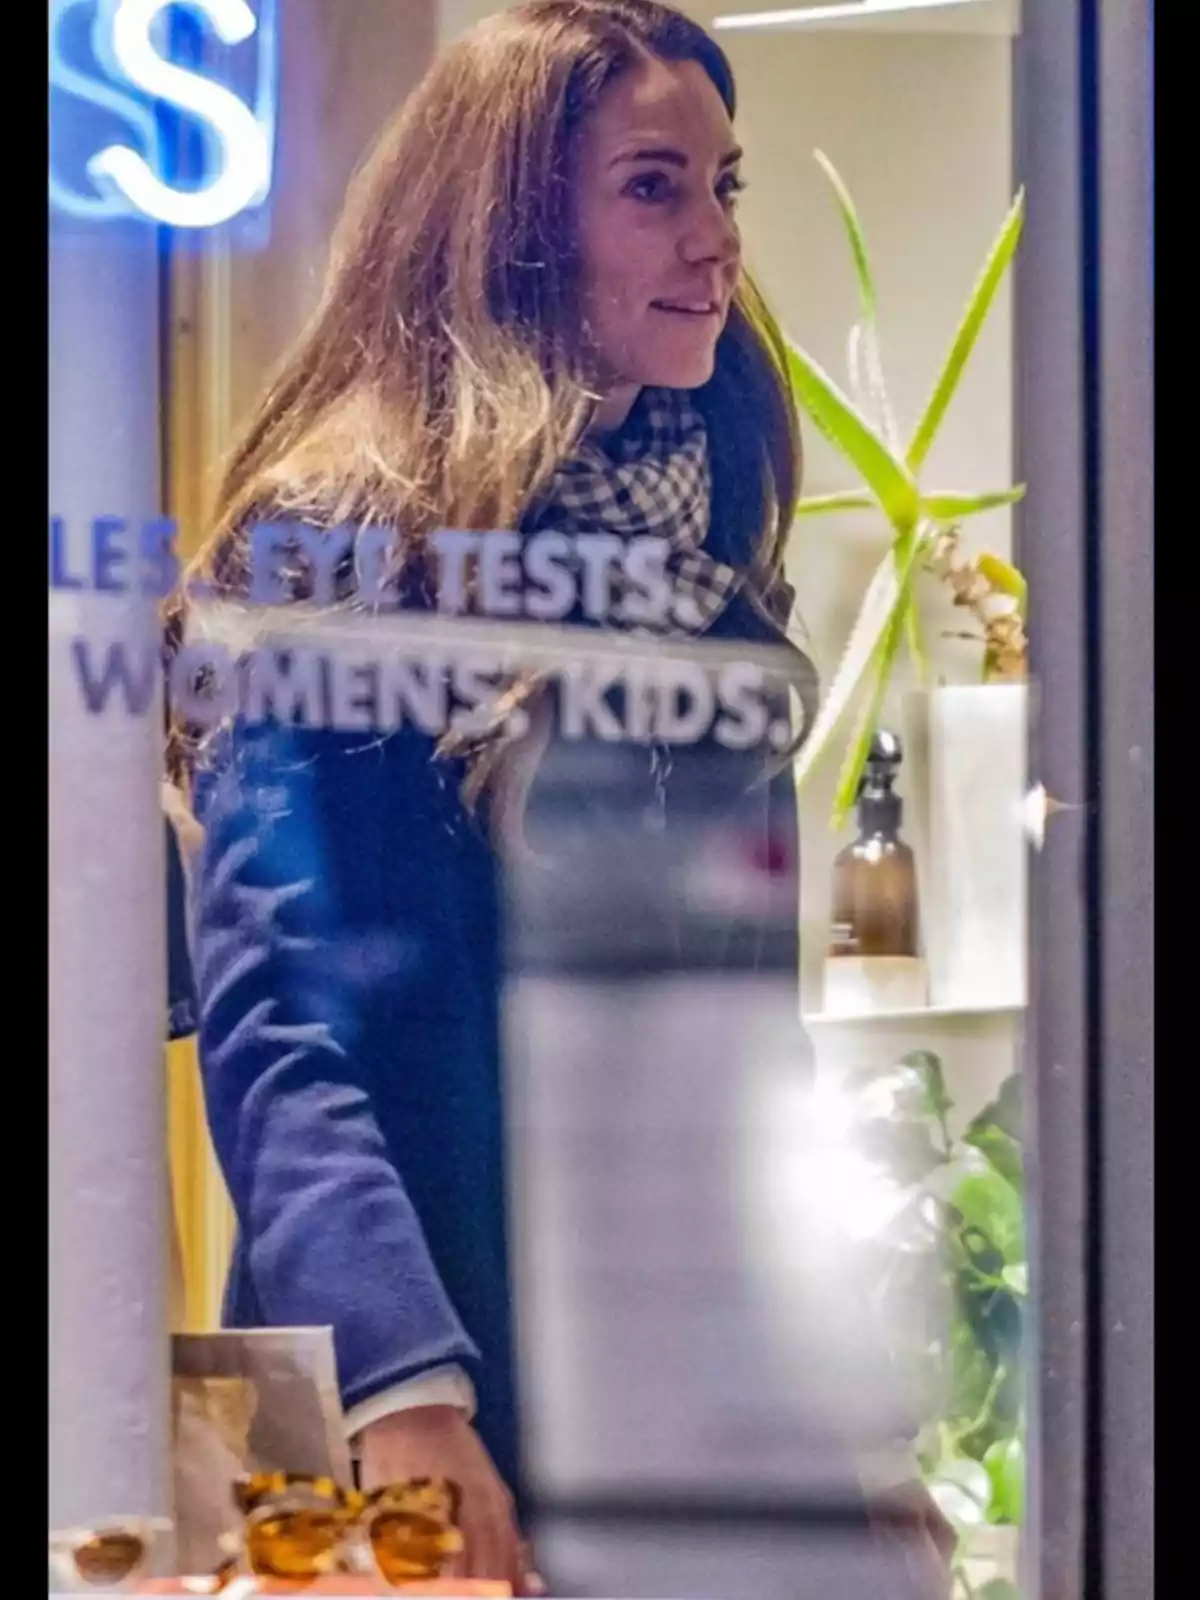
x: 445, y: 373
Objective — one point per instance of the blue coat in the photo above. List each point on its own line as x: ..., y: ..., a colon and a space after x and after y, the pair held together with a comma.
x: 346, y: 936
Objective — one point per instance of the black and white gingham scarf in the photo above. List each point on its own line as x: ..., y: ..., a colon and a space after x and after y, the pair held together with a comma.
x: 654, y: 480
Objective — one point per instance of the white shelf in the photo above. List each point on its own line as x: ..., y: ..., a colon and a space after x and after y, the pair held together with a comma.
x: 818, y: 1019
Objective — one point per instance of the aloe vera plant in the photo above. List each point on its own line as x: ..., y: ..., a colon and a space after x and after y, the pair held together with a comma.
x: 924, y: 523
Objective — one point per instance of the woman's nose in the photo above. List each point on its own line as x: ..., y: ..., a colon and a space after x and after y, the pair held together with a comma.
x: 712, y: 237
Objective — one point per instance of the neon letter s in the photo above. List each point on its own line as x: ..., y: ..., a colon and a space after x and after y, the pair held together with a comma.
x: 244, y: 173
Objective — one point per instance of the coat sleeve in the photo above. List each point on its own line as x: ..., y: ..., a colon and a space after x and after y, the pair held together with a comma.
x: 288, y: 901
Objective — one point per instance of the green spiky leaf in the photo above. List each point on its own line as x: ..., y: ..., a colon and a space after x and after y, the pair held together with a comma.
x: 916, y: 642
x: 817, y: 505
x: 954, y: 507
x: 879, y: 675
x: 859, y: 748
x: 854, y: 232
x: 879, y: 604
x: 999, y: 259
x: 887, y: 477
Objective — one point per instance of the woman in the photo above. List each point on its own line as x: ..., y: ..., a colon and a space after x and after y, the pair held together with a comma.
x: 536, y: 318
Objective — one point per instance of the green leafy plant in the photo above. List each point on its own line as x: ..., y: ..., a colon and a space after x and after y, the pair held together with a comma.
x: 924, y: 523
x: 961, y: 1230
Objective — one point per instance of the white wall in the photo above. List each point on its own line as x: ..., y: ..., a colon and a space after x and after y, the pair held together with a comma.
x: 344, y: 71
x: 919, y: 126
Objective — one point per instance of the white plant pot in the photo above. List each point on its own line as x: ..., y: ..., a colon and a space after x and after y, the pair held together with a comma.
x: 968, y: 765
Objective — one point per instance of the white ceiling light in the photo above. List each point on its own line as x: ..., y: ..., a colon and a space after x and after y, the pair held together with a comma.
x: 812, y: 15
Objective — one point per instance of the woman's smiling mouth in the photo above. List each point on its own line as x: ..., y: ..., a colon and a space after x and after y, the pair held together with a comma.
x: 688, y: 308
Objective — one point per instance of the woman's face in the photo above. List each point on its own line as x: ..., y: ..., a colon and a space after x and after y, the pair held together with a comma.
x: 657, y: 183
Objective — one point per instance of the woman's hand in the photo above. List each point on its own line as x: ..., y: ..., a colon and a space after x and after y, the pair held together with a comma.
x: 438, y: 1441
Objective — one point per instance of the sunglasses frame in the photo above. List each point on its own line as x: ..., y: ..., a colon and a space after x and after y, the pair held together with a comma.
x: 262, y: 1496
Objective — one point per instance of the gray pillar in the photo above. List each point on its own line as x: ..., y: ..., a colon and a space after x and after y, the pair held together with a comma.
x: 1085, y: 370
x: 1126, y: 815
x: 108, y: 1212
x: 1050, y: 377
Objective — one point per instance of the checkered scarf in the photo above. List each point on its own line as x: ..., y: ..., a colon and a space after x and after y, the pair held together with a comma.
x: 655, y: 481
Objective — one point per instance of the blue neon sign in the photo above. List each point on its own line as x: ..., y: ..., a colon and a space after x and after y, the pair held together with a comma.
x: 117, y: 97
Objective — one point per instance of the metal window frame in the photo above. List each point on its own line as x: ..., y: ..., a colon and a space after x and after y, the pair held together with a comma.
x: 1084, y: 99
x: 1124, y: 1538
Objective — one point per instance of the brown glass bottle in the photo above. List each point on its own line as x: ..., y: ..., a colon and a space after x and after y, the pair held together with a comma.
x: 875, y: 938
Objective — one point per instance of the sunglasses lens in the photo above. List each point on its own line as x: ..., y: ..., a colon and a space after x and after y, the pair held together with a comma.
x: 109, y: 1558
x: 295, y: 1544
x: 408, y: 1546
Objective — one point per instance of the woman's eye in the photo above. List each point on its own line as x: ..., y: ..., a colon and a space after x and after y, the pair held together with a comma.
x: 656, y: 186
x: 649, y: 186
x: 729, y: 189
